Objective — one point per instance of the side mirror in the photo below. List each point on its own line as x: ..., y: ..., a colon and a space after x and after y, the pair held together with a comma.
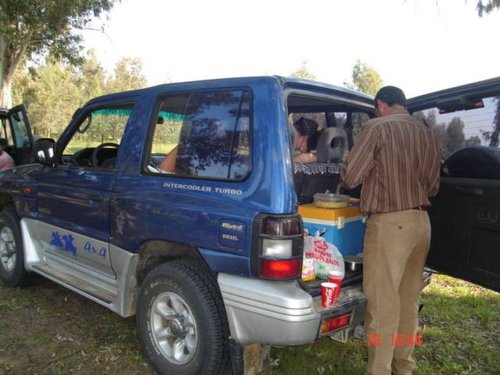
x: 44, y: 151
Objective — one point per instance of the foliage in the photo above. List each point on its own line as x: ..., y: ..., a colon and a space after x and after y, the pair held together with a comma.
x: 90, y: 77
x: 128, y: 75
x: 365, y: 79
x: 53, y: 91
x: 473, y: 141
x: 492, y: 136
x: 303, y: 72
x: 487, y: 7
x: 451, y: 135
x: 30, y: 30
x: 455, y: 133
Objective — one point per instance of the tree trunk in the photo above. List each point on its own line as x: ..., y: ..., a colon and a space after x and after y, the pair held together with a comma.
x: 6, y: 93
x: 5, y: 82
x: 10, y: 56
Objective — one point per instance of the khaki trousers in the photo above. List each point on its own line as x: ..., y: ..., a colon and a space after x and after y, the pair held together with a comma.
x: 395, y: 248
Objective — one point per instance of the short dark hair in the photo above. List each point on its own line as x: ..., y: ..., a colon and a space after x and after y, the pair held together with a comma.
x: 306, y: 126
x: 391, y: 95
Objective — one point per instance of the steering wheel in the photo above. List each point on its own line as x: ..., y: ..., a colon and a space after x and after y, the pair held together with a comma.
x: 95, y: 160
x: 82, y: 157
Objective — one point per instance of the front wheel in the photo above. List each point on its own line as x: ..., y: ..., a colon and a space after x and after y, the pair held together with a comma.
x: 181, y: 320
x: 12, y: 270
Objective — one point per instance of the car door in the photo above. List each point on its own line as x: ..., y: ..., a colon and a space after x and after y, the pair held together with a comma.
x: 74, y: 194
x: 465, y: 214
x: 18, y: 140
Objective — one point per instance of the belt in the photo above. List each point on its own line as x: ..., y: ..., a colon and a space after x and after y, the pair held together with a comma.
x: 420, y: 208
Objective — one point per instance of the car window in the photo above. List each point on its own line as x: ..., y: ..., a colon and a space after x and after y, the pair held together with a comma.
x: 471, y: 127
x: 97, y: 137
x: 469, y: 138
x: 21, y: 136
x: 203, y: 135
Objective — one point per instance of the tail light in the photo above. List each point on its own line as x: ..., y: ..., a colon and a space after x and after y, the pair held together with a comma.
x: 278, y: 247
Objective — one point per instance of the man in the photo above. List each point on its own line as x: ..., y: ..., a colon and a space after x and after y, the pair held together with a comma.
x: 397, y: 161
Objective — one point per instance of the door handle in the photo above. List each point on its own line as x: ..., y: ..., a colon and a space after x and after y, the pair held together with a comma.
x: 470, y: 191
x: 95, y: 197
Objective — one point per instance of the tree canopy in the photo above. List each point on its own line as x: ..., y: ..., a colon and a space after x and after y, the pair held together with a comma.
x: 365, y: 79
x: 32, y: 29
x: 303, y: 72
x: 54, y: 90
x: 487, y: 6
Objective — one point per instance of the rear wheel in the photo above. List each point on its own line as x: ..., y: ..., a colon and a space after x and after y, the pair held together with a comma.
x: 12, y: 270
x: 181, y: 321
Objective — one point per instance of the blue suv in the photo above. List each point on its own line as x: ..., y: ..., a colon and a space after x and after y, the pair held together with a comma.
x: 207, y: 253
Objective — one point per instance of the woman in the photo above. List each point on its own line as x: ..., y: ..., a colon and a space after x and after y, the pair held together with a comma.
x: 306, y: 139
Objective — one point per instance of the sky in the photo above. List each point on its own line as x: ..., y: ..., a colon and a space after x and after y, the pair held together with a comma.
x: 418, y: 45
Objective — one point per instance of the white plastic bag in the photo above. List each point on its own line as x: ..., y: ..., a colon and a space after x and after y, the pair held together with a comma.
x: 326, y: 256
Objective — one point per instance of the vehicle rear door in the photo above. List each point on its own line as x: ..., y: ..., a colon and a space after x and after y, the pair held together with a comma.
x: 465, y: 214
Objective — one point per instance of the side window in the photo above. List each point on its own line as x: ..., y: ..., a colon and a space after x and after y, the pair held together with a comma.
x: 6, y: 137
x: 460, y: 131
x: 97, y: 138
x: 469, y: 127
x: 203, y: 134
x: 20, y: 129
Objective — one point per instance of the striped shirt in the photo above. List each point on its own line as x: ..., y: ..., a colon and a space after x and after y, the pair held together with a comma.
x: 397, y: 159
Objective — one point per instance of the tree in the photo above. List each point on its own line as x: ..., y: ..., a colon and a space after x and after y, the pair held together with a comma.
x: 365, y: 79
x: 455, y: 133
x: 488, y: 7
x: 51, y: 95
x: 473, y: 141
x: 492, y: 136
x: 303, y: 72
x: 127, y: 75
x: 32, y: 29
x: 91, y: 77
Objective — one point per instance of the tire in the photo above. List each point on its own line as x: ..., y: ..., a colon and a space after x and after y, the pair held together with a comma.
x: 12, y: 270
x: 181, y: 321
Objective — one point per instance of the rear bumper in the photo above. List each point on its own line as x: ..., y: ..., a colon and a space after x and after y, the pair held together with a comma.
x: 280, y: 312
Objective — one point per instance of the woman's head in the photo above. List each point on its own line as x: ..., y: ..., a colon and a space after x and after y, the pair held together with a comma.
x: 306, y: 134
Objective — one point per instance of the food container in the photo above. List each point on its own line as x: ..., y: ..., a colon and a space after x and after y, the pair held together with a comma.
x: 329, y: 200
x: 353, y: 263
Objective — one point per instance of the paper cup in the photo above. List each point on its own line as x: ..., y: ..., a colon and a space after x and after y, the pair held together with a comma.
x: 335, y: 277
x: 328, y: 294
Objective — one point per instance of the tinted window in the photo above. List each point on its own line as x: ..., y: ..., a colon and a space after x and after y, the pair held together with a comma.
x: 471, y: 127
x: 206, y: 134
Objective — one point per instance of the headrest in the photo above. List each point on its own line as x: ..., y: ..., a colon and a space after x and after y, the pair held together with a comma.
x: 331, y: 145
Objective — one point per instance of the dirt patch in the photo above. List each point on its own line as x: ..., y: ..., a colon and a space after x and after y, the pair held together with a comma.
x: 47, y: 329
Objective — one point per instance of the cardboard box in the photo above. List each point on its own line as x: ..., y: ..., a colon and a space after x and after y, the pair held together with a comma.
x: 342, y: 227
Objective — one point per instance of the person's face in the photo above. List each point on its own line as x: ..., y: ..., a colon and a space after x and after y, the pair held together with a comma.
x: 299, y: 141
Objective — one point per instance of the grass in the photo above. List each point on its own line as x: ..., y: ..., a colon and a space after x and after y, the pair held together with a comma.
x: 47, y: 329
x: 460, y: 326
